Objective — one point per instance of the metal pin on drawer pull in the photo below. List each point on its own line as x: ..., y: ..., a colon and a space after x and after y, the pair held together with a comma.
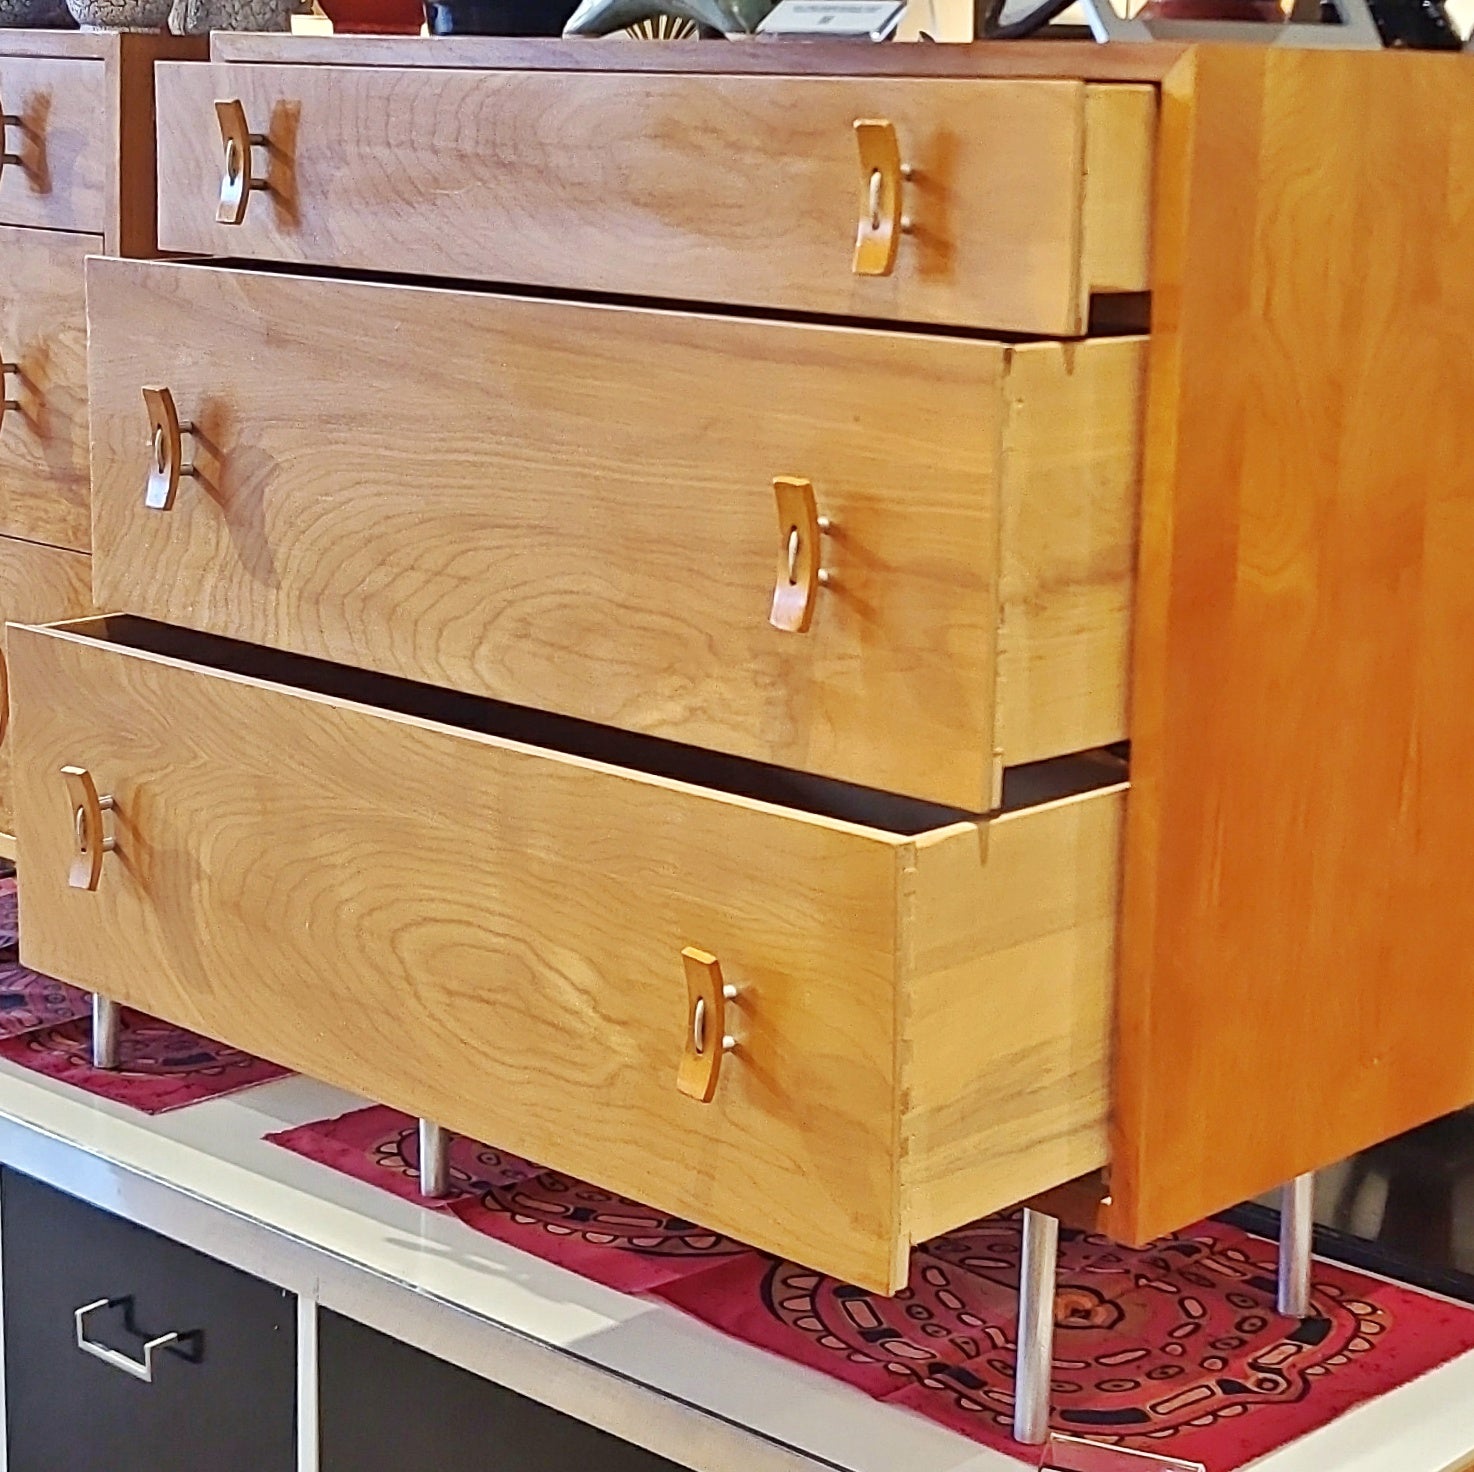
x: 799, y: 576
x: 5, y: 404
x: 166, y: 449
x: 707, y: 996
x: 92, y: 842
x: 9, y: 120
x: 881, y: 224
x: 237, y: 183
x: 139, y: 1369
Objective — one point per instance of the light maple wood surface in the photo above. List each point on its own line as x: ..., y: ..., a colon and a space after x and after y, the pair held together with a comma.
x: 43, y: 442
x: 1048, y: 58
x: 1008, y: 1016
x: 490, y: 934
x: 572, y: 507
x: 37, y: 585
x: 745, y: 190
x: 62, y: 142
x: 1297, y: 967
x: 1071, y: 473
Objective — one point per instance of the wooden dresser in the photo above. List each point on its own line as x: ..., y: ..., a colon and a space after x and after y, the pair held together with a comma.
x: 77, y: 179
x: 621, y: 578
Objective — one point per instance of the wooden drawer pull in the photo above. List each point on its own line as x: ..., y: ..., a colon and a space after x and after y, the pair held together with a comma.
x: 707, y: 1038
x: 165, y: 449
x: 92, y: 841
x: 881, y: 222
x: 236, y: 180
x: 799, y: 574
x: 5, y: 404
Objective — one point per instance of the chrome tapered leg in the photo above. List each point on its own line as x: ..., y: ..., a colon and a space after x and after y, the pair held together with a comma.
x: 1297, y: 1224
x: 434, y: 1160
x: 106, y: 1022
x: 1035, y: 1328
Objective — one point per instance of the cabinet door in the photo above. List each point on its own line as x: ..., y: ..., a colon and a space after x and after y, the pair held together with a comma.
x: 385, y: 1407
x: 222, y: 1400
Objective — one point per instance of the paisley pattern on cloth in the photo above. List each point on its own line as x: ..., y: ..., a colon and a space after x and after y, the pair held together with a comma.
x: 597, y: 1233
x: 29, y: 1000
x: 382, y: 1146
x: 1175, y: 1347
x: 160, y: 1066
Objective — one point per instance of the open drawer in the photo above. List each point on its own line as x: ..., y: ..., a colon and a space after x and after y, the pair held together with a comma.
x: 998, y: 203
x: 505, y: 922
x: 597, y: 511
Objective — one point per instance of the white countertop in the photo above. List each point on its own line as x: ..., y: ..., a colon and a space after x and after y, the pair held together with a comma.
x: 205, y: 1176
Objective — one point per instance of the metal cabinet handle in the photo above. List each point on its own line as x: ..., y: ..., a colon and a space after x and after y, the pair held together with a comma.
x: 166, y: 449
x: 707, y: 1038
x: 236, y: 181
x: 878, y: 237
x: 138, y: 1369
x: 5, y: 370
x: 799, y: 576
x: 9, y: 120
x: 92, y: 841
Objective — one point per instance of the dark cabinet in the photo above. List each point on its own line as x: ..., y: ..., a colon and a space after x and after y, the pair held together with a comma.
x: 219, y: 1397
x: 386, y: 1407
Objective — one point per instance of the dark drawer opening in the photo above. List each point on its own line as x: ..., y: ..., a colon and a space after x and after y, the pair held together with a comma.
x: 1024, y: 786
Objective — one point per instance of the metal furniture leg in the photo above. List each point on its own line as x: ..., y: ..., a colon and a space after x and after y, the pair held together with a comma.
x: 1297, y: 1222
x: 434, y: 1160
x: 1035, y: 1328
x: 106, y: 1022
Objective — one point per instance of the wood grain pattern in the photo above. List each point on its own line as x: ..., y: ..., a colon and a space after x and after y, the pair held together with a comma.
x: 43, y: 444
x: 730, y: 189
x: 63, y: 142
x: 132, y: 182
x: 571, y: 507
x: 1297, y: 969
x: 1049, y: 58
x: 37, y: 585
x: 1071, y: 474
x: 1008, y: 1022
x: 291, y: 877
x: 1120, y: 153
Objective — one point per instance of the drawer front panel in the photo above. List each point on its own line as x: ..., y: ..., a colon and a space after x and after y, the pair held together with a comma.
x: 60, y: 177
x: 572, y: 507
x: 232, y: 1390
x: 730, y: 189
x: 481, y: 933
x: 43, y: 440
x: 37, y: 585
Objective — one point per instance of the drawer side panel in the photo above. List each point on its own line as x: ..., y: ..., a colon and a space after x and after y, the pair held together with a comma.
x: 1008, y: 1022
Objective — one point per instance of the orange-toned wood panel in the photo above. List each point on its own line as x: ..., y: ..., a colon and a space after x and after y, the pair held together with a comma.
x: 1298, y: 948
x: 733, y: 189
x: 43, y: 440
x: 37, y: 585
x: 62, y: 143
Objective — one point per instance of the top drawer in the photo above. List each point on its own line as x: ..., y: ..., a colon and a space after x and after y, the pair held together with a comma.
x: 1023, y: 197
x: 56, y: 143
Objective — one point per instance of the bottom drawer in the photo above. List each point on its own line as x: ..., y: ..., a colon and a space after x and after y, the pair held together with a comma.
x: 226, y: 1391
x: 38, y: 584
x: 384, y: 1406
x: 521, y: 927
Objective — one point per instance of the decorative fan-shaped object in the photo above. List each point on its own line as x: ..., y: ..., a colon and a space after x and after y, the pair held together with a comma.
x: 723, y: 17
x: 662, y: 28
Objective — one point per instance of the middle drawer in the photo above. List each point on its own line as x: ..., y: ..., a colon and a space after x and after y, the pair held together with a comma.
x: 602, y: 511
